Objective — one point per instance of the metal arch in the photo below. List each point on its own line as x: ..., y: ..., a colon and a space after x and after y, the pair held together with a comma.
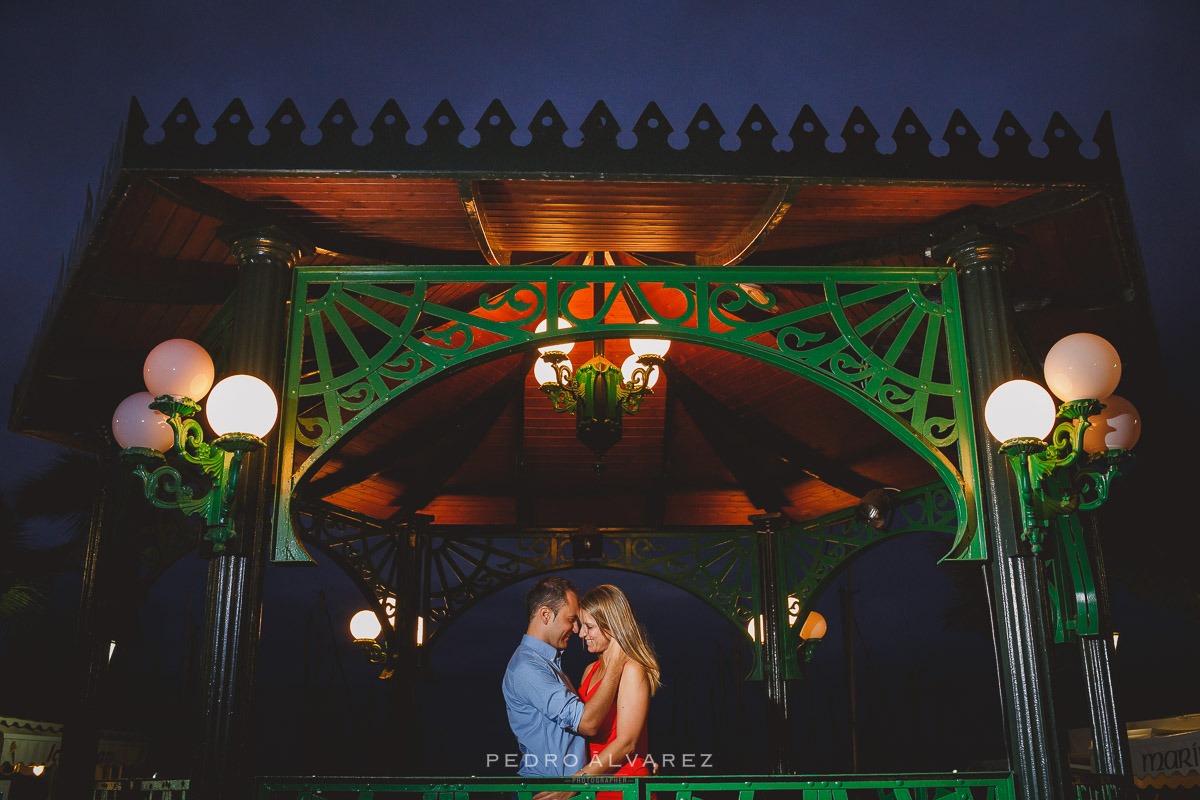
x: 463, y: 565
x: 928, y: 408
x: 812, y: 554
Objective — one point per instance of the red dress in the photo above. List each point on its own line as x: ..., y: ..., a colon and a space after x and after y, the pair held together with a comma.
x: 635, y: 762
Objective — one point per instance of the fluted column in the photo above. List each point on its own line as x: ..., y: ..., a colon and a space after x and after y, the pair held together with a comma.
x: 1022, y: 637
x: 233, y: 601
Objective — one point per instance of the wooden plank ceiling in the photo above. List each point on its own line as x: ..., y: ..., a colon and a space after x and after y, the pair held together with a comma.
x: 723, y: 436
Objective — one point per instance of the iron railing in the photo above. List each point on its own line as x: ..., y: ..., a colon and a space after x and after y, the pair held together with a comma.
x: 953, y: 786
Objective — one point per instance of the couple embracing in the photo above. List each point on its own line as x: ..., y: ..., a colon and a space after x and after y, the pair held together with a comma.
x: 599, y: 728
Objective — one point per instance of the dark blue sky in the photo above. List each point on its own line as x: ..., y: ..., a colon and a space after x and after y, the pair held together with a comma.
x: 70, y: 69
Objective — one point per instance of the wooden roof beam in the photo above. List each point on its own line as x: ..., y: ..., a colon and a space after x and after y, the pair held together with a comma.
x: 769, y: 215
x: 468, y: 192
x: 789, y: 458
x: 487, y: 407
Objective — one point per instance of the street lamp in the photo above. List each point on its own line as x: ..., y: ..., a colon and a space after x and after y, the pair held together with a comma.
x: 160, y: 438
x: 365, y: 629
x: 811, y: 632
x: 1073, y: 470
x: 597, y: 391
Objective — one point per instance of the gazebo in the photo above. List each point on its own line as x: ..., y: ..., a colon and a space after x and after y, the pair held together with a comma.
x: 839, y: 307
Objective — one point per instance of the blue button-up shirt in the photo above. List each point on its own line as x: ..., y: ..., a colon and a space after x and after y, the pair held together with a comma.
x: 543, y: 711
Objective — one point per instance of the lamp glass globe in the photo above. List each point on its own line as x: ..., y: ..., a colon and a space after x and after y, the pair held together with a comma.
x: 649, y: 347
x: 135, y: 424
x: 1117, y: 427
x: 543, y: 372
x: 178, y: 367
x: 1019, y: 409
x: 562, y: 347
x: 814, y: 626
x: 630, y: 364
x: 365, y: 625
x: 1082, y: 366
x: 242, y: 404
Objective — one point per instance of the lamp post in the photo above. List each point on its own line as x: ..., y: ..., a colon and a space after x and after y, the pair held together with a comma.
x: 366, y: 628
x: 166, y: 445
x: 1074, y: 470
x: 597, y: 391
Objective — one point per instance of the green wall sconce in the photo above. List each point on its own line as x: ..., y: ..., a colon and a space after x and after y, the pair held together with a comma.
x: 166, y: 446
x: 1091, y: 432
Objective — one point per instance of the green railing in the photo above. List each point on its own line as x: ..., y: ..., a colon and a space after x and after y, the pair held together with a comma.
x: 955, y: 786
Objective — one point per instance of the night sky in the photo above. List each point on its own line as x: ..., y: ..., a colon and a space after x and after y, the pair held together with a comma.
x: 70, y: 69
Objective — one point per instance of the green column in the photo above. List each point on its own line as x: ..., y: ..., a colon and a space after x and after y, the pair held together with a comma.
x: 779, y: 731
x: 233, y: 602
x: 1014, y: 575
x: 1096, y: 653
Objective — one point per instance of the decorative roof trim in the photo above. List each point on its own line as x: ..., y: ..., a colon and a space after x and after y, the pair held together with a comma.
x: 444, y: 146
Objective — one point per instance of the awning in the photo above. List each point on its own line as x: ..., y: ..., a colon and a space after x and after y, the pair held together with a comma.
x: 30, y: 742
x: 1166, y: 761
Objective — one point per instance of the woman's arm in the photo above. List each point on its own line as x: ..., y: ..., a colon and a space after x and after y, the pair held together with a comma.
x: 633, y: 702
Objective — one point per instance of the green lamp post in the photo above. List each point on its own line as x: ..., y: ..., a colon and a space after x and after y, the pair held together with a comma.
x: 166, y: 445
x: 1092, y: 433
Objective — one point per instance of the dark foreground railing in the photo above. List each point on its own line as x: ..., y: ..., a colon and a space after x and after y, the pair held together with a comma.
x: 955, y: 786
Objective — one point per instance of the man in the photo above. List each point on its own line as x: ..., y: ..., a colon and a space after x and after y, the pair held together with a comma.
x: 545, y: 713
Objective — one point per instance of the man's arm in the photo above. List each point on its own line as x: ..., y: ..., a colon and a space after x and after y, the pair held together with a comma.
x: 596, y: 709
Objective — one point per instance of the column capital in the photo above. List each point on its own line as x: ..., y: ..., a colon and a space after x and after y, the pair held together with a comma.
x: 977, y: 248
x: 264, y: 242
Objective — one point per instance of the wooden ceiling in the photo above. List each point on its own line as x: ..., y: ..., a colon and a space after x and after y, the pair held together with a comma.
x: 723, y: 437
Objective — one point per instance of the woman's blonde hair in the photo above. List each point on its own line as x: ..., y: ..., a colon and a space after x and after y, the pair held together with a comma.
x: 612, y: 612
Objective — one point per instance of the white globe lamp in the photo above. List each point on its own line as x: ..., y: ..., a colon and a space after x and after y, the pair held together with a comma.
x: 1117, y: 427
x: 544, y: 372
x: 365, y: 625
x: 649, y: 347
x: 562, y: 347
x: 135, y: 424
x: 1019, y: 410
x: 242, y: 404
x: 180, y: 368
x: 1082, y: 366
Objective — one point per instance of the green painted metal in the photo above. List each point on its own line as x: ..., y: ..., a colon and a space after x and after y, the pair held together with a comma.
x: 360, y: 337
x: 1055, y: 481
x: 1059, y: 478
x: 813, y: 553
x: 718, y: 565
x: 164, y: 486
x: 952, y: 786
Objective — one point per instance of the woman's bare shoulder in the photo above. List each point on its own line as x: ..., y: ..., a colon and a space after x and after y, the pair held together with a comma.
x: 632, y: 671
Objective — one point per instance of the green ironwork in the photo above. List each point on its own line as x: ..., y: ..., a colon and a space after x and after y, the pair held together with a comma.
x: 464, y: 565
x: 953, y: 786
x: 362, y: 336
x: 1060, y: 478
x: 1056, y: 480
x: 811, y: 554
x: 164, y: 486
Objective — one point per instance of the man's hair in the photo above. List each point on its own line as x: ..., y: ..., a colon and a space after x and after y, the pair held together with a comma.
x: 551, y: 592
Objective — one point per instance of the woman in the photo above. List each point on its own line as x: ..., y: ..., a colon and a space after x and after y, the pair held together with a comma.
x: 620, y: 746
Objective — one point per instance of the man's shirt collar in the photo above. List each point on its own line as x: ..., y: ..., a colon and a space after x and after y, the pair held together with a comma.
x: 543, y: 649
